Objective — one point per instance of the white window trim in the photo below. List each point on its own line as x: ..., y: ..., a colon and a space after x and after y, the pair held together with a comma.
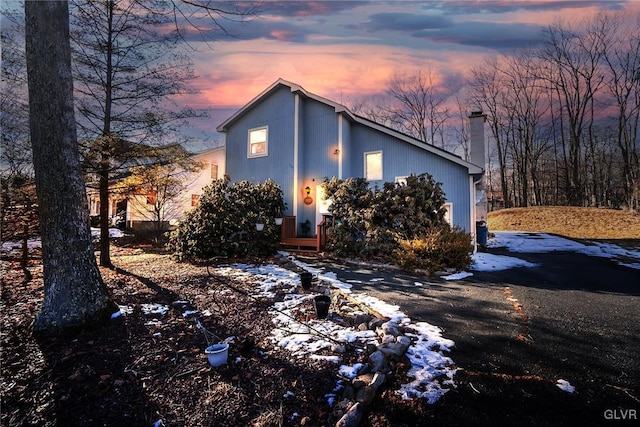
x: 449, y: 207
x: 266, y: 143
x: 366, y: 153
x: 401, y: 179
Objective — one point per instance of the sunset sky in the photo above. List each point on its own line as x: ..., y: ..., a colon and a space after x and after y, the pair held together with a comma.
x: 346, y: 51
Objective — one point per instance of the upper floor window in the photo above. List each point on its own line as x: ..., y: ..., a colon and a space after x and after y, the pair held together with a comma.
x: 373, y: 166
x: 258, y: 142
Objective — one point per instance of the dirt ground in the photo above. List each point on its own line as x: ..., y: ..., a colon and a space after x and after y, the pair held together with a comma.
x: 139, y: 372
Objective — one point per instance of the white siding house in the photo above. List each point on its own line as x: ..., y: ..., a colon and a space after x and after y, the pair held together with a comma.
x: 137, y: 210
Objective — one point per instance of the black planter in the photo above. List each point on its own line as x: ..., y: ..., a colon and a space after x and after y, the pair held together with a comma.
x: 321, y: 303
x: 305, y: 279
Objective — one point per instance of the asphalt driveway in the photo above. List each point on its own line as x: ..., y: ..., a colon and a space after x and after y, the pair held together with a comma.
x: 517, y: 332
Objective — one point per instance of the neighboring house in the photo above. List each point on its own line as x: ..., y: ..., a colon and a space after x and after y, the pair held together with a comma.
x: 136, y: 210
x: 299, y: 139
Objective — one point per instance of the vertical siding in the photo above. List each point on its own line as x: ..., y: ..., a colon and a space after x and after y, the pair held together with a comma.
x: 318, y: 141
x: 318, y: 159
x: 277, y: 112
x: 400, y: 159
x: 346, y: 152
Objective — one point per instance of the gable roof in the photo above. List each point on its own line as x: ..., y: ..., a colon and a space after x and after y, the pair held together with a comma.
x: 341, y: 109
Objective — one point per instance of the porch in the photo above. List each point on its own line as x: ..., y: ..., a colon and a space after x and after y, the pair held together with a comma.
x: 290, y: 241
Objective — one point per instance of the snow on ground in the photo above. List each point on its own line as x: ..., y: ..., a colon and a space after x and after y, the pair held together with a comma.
x: 564, y: 385
x: 114, y: 233
x: 14, y: 248
x: 432, y: 371
x: 521, y: 242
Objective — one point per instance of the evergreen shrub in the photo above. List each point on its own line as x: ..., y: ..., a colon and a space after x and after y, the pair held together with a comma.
x: 224, y: 222
x: 402, y: 223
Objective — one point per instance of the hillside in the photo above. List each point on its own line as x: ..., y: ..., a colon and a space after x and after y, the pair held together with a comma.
x: 573, y: 222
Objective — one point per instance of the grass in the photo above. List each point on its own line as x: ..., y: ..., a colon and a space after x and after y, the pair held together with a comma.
x: 573, y: 222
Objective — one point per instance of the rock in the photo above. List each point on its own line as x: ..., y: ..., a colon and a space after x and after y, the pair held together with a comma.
x: 338, y: 348
x: 349, y: 393
x: 390, y: 328
x: 375, y: 323
x: 388, y: 339
x: 362, y: 380
x: 363, y: 327
x: 365, y: 395
x: 362, y: 318
x: 378, y: 379
x: 353, y: 417
x: 371, y: 347
x: 378, y: 362
x: 404, y: 340
x: 394, y: 350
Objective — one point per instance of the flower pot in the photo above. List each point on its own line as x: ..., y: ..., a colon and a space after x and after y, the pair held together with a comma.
x: 321, y: 303
x: 305, y: 279
x: 279, y: 221
x: 259, y: 226
x: 217, y: 354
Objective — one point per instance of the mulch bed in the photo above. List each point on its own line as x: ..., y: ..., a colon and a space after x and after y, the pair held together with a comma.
x: 137, y: 371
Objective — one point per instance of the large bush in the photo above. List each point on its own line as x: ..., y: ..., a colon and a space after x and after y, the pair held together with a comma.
x: 381, y: 223
x: 439, y: 249
x: 224, y: 223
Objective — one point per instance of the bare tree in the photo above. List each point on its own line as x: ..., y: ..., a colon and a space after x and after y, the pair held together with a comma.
x: 487, y: 90
x: 18, y: 200
x: 421, y: 110
x: 526, y: 103
x: 572, y: 70
x: 74, y: 291
x: 622, y: 58
x: 463, y: 135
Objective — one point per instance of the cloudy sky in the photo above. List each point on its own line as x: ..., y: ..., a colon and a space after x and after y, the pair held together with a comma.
x: 346, y: 51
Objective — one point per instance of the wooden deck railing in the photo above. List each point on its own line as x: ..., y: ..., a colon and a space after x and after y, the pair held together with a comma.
x: 289, y: 238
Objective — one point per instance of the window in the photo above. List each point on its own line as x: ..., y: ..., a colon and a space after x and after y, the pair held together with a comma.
x: 258, y: 142
x: 373, y: 166
x: 214, y: 171
x: 448, y: 215
x: 402, y: 180
x: 151, y: 197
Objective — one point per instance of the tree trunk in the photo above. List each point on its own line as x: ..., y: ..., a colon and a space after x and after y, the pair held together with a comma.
x: 74, y: 293
x: 105, y: 249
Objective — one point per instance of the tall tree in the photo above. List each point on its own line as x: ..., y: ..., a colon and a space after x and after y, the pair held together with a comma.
x: 622, y: 58
x: 17, y: 187
x: 74, y: 291
x: 573, y: 72
x: 488, y: 91
x: 421, y: 110
x: 127, y: 68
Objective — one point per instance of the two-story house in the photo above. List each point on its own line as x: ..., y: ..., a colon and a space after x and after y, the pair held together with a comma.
x: 299, y: 139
